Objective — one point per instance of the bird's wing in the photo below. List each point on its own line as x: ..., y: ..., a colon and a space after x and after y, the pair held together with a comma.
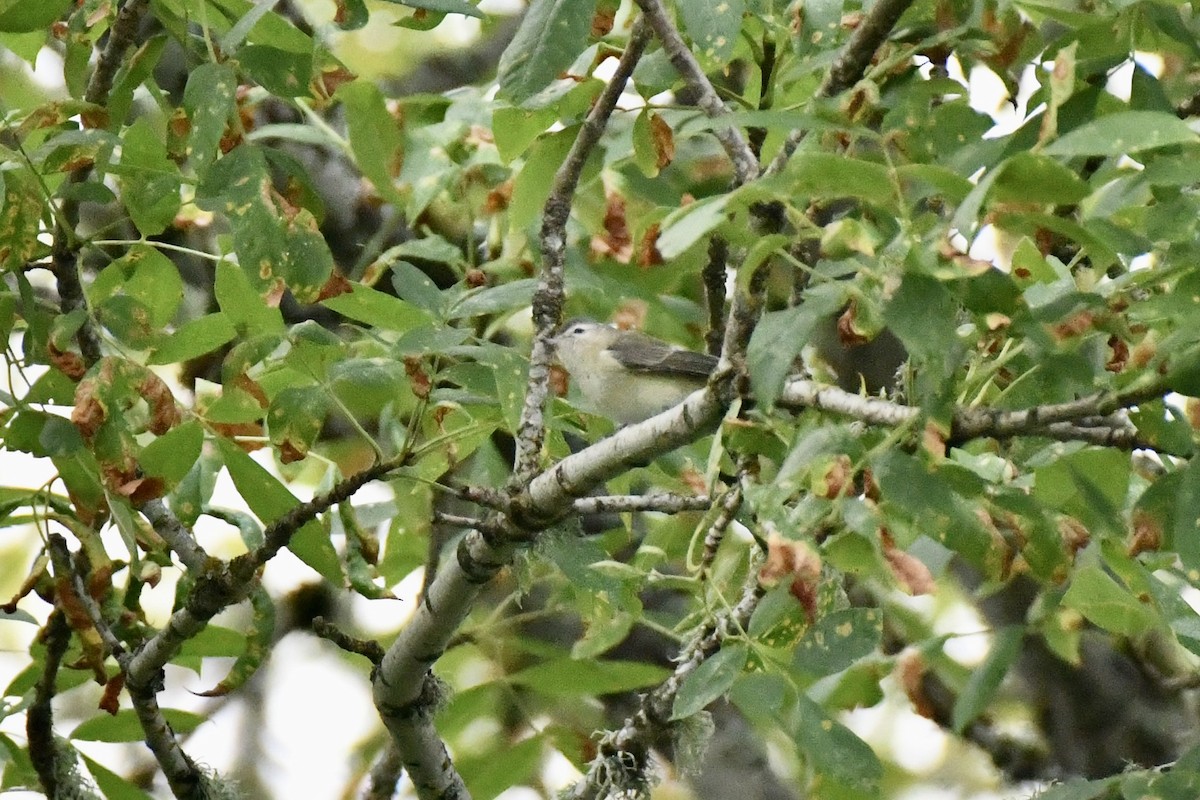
x: 643, y: 353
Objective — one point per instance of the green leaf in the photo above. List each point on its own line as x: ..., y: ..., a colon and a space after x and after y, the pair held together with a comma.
x: 922, y: 314
x: 376, y: 139
x: 837, y: 640
x: 833, y: 749
x: 256, y: 645
x: 1124, y: 133
x: 925, y: 496
x: 532, y: 184
x: 686, y: 226
x: 781, y: 335
x: 830, y: 175
x: 242, y: 303
x: 515, y: 129
x: 571, y: 678
x: 365, y: 385
x: 713, y: 27
x: 295, y: 419
x: 208, y: 100
x: 1181, y: 521
x: 214, y: 642
x: 150, y: 181
x: 373, y: 307
x: 233, y: 39
x: 113, y: 785
x: 1090, y: 485
x: 306, y: 262
x: 488, y: 775
x: 273, y: 29
x: 550, y: 38
x: 21, y: 16
x: 1079, y: 789
x: 269, y: 500
x: 124, y: 726
x: 273, y: 239
x: 172, y: 455
x: 495, y: 299
x: 414, y: 286
x: 710, y: 680
x: 443, y: 6
x: 20, y: 218
x: 194, y: 338
x: 1104, y: 602
x: 351, y: 14
x: 984, y: 681
x: 1031, y: 178
x: 281, y: 72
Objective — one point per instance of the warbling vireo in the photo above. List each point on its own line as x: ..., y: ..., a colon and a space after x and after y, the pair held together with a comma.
x: 625, y: 375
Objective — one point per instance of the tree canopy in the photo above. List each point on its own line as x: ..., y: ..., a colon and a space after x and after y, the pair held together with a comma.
x: 944, y: 250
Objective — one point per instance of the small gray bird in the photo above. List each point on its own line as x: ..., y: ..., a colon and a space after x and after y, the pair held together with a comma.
x: 625, y: 375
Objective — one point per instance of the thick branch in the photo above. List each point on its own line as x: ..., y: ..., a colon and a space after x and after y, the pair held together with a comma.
x: 39, y: 720
x: 183, y: 776
x: 121, y: 37
x: 64, y: 251
x: 548, y: 300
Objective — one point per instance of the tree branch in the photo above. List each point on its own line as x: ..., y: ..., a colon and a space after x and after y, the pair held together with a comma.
x: 39, y: 720
x: 730, y: 504
x: 662, y: 502
x: 220, y: 585
x: 1057, y: 420
x: 745, y: 165
x: 64, y: 252
x: 715, y: 278
x: 183, y: 776
x: 850, y: 65
x: 385, y: 774
x: 175, y: 534
x: 624, y: 753
x: 550, y: 294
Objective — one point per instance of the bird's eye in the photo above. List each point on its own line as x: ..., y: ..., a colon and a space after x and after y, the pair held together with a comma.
x: 578, y: 328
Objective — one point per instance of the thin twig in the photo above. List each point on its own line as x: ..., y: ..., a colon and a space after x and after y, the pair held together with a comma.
x: 219, y: 585
x: 731, y: 503
x: 385, y: 774
x: 1087, y: 419
x: 745, y: 165
x: 175, y: 534
x: 625, y: 753
x: 662, y: 502
x: 850, y: 65
x: 182, y: 774
x: 279, y: 532
x: 367, y: 648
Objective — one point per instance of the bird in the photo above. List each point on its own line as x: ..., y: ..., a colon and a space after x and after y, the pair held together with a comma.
x: 627, y: 376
